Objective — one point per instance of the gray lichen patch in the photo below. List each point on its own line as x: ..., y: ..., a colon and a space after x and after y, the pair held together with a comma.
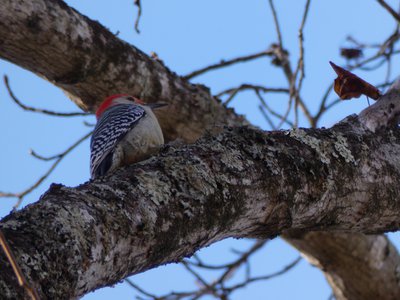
x: 322, y: 148
x: 273, y: 163
x: 342, y: 148
x: 233, y: 160
x: 326, y: 149
x: 158, y: 196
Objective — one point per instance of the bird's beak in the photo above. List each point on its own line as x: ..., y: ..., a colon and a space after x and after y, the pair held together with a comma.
x: 156, y: 105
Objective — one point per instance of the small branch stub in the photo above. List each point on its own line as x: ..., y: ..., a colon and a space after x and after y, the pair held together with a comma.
x: 385, y: 112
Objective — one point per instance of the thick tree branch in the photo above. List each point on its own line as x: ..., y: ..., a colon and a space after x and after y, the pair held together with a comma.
x: 240, y: 183
x: 88, y: 62
x: 385, y: 112
x: 365, y: 258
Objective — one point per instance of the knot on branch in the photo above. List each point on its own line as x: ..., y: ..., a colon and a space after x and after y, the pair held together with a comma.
x: 280, y: 55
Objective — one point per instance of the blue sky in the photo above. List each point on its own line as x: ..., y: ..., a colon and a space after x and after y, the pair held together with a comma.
x: 188, y: 35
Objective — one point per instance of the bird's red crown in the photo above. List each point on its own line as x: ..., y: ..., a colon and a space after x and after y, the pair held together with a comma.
x: 108, y: 102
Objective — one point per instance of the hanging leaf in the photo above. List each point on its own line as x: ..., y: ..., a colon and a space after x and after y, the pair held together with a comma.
x: 348, y: 85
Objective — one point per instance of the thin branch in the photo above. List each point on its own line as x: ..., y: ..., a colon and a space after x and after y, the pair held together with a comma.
x: 195, y: 274
x: 369, y: 60
x: 139, y: 14
x: 322, y: 105
x: 390, y: 54
x: 139, y: 289
x: 257, y: 245
x: 247, y: 86
x: 300, y: 62
x: 231, y: 96
x: 17, y: 270
x: 7, y: 195
x: 333, y: 103
x: 225, y: 63
x: 276, y: 22
x: 266, y: 277
x: 87, y: 124
x: 218, y: 285
x: 40, y: 157
x: 331, y: 297
x: 266, y: 117
x: 234, y: 91
x: 389, y: 9
x: 59, y: 157
x: 39, y: 110
x: 265, y: 105
x: 286, y: 114
x: 281, y: 56
x: 378, y: 64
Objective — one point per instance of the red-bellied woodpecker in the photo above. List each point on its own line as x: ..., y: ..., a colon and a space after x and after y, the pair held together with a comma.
x: 127, y: 131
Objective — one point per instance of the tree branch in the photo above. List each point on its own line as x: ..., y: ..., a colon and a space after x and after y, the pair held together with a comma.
x: 226, y: 63
x: 391, y: 11
x: 90, y: 63
x: 366, y: 257
x: 240, y: 183
x: 38, y: 110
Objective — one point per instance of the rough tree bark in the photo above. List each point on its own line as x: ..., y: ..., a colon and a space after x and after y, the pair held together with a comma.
x: 242, y: 182
x: 371, y: 256
x: 88, y: 62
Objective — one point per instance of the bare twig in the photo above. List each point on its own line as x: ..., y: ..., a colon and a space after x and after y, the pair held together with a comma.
x: 266, y: 117
x: 276, y: 22
x: 40, y: 157
x: 322, y: 105
x: 87, y: 124
x: 58, y: 158
x: 266, y: 277
x: 389, y: 55
x: 225, y: 63
x: 17, y: 270
x: 204, y: 285
x: 139, y: 289
x: 231, y: 96
x: 139, y: 14
x: 257, y: 245
x: 283, y: 61
x: 234, y: 91
x: 391, y: 11
x: 300, y: 62
x: 247, y: 86
x: 286, y: 114
x: 39, y: 110
x: 7, y: 195
x: 369, y: 60
x: 233, y: 266
x: 265, y: 105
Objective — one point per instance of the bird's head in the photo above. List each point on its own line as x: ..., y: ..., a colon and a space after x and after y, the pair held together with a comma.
x: 123, y: 99
x: 115, y: 100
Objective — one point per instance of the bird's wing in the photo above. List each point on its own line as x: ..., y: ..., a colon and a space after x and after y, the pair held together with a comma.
x: 110, y: 129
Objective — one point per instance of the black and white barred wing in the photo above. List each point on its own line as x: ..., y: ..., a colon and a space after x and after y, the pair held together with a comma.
x: 113, y: 125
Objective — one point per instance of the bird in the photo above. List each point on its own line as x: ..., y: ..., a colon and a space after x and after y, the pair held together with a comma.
x: 126, y: 132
